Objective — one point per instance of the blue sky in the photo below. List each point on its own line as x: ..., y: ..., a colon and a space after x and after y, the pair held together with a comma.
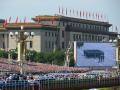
x: 31, y: 8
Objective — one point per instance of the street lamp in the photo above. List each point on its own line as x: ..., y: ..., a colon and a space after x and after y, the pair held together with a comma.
x: 21, y: 39
x: 117, y: 44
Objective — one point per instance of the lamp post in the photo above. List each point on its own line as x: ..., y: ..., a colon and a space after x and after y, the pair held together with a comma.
x: 67, y: 54
x: 117, y: 44
x: 21, y: 39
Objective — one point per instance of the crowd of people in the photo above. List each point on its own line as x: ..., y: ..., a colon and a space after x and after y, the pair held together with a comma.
x: 36, y: 67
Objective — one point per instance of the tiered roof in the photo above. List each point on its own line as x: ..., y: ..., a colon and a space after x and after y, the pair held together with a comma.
x: 28, y: 25
x: 69, y: 19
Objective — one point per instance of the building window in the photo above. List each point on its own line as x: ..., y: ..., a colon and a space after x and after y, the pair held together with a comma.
x: 45, y: 33
x: 92, y: 37
x: 52, y: 21
x: 85, y: 37
x: 80, y: 37
x: 52, y: 44
x: 81, y: 25
x: 3, y: 45
x: 49, y: 34
x: 76, y: 37
x: 63, y: 46
x: 46, y: 44
x: 58, y: 23
x: 52, y: 34
x: 73, y: 24
x: 63, y: 34
x: 73, y: 37
x: 31, y: 44
x: 55, y: 34
x: 49, y: 45
x: 63, y: 24
x: 3, y: 35
x: 89, y: 37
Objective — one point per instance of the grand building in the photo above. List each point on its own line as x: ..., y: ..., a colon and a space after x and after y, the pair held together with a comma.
x: 57, y: 31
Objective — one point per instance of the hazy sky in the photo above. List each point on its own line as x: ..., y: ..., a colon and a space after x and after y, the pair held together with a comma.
x: 31, y: 8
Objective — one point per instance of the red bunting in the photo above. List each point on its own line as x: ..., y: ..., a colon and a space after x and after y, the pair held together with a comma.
x: 25, y: 20
x: 5, y: 23
x: 9, y: 19
x: 16, y: 20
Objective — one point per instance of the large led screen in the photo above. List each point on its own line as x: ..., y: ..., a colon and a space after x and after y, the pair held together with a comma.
x: 94, y: 54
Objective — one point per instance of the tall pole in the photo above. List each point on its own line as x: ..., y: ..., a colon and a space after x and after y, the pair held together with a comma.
x: 118, y: 52
x: 21, y: 37
x: 21, y: 49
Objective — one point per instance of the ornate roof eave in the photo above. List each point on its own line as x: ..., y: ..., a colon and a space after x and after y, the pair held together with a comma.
x: 69, y: 19
x: 14, y: 26
x: 91, y: 31
x: 2, y: 20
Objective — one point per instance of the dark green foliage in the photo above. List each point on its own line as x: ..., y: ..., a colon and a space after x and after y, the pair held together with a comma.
x: 40, y: 57
x: 57, y: 57
x: 13, y: 53
x: 72, y: 63
x: 3, y: 54
x: 30, y: 55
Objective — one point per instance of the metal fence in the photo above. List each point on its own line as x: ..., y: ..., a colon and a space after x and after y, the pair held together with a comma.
x: 60, y: 84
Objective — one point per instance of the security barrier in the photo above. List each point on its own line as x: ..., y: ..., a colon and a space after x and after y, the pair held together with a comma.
x: 61, y: 84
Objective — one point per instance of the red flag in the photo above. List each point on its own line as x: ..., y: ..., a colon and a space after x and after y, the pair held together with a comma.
x: 116, y: 29
x: 52, y: 20
x: 96, y: 15
x: 77, y: 13
x: 73, y: 11
x: 66, y: 11
x: 89, y: 15
x: 105, y: 18
x: 70, y: 11
x: 93, y: 15
x: 16, y: 20
x: 59, y: 10
x: 86, y: 14
x: 80, y: 13
x: 83, y: 13
x: 20, y: 20
x: 101, y: 17
x: 38, y: 19
x: 5, y: 23
x: 112, y: 28
x: 9, y: 19
x: 25, y: 20
x: 62, y: 11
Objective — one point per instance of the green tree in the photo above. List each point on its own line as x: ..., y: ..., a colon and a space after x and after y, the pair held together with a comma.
x: 30, y: 55
x: 59, y: 57
x: 72, y: 63
x: 3, y: 54
x: 13, y: 53
x: 40, y: 57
